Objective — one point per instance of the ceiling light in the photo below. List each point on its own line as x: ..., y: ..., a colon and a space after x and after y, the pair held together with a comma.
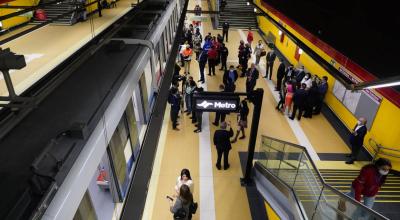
x: 280, y: 32
x: 390, y: 84
x: 300, y: 51
x: 255, y: 9
x: 248, y: 3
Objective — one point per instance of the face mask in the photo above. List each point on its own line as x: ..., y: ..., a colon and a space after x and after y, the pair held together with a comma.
x: 383, y: 172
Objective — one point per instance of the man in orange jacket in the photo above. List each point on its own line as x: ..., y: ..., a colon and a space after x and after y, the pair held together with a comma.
x: 187, y: 58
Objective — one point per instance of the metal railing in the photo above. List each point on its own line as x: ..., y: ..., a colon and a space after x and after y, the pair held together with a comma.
x: 292, y: 165
x: 382, y: 151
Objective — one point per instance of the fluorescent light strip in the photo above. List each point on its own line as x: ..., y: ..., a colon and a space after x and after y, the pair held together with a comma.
x: 384, y: 85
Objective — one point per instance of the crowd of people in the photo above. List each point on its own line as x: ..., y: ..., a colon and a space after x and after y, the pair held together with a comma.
x: 301, y: 94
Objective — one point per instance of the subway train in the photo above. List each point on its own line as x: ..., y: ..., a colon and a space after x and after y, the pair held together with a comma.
x: 73, y: 156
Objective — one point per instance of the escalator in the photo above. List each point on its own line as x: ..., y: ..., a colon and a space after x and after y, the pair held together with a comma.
x: 291, y: 182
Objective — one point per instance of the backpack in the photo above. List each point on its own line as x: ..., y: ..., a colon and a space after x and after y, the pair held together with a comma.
x: 180, y: 213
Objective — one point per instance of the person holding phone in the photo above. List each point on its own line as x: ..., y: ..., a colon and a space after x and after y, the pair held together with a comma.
x: 222, y: 142
x: 181, y: 207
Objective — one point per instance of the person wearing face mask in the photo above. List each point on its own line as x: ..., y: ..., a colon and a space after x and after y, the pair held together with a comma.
x: 357, y: 139
x: 367, y: 184
x: 307, y: 80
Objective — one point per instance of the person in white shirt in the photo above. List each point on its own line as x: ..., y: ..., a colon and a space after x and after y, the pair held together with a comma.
x: 184, y: 178
x: 257, y: 51
x: 307, y: 80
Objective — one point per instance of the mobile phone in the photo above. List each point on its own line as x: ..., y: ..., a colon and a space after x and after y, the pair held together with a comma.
x: 170, y: 198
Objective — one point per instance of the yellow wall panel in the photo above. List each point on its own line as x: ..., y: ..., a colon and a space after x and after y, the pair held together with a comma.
x: 18, y: 19
x: 385, y: 128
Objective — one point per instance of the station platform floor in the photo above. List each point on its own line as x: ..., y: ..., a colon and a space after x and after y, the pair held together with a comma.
x: 219, y: 192
x: 49, y: 46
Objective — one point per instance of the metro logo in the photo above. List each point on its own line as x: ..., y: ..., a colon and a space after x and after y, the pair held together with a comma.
x: 224, y: 105
x: 205, y: 104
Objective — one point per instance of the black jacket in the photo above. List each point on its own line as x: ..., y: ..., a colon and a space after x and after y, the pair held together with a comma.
x: 225, y: 26
x: 357, y: 138
x: 281, y: 71
x: 300, y: 97
x: 222, y: 139
x: 224, y: 52
x: 271, y: 57
x: 226, y: 75
x: 300, y: 75
x: 254, y: 76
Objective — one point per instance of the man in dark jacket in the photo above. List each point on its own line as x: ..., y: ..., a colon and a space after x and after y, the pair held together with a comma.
x: 231, y: 73
x: 299, y: 100
x: 280, y: 75
x: 357, y: 139
x: 300, y: 74
x: 175, y: 100
x: 246, y: 54
x: 252, y: 76
x: 270, y: 63
x: 322, y: 89
x: 219, y: 116
x: 223, y: 52
x: 225, y: 30
x: 202, y: 64
x: 223, y: 144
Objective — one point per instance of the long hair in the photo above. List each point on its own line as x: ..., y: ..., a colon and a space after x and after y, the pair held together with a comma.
x: 186, y: 172
x: 185, y: 194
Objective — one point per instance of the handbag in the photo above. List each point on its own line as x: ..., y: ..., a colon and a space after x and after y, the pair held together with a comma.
x: 193, y: 207
x: 263, y: 53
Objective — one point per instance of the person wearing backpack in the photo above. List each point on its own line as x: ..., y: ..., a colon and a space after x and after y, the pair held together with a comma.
x: 181, y: 207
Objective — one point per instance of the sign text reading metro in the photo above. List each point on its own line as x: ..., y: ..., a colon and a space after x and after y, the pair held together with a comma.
x: 216, y: 103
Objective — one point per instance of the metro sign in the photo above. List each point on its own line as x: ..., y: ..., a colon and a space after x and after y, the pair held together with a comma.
x: 216, y: 103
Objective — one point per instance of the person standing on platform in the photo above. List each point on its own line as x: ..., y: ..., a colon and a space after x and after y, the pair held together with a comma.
x: 258, y: 50
x: 307, y: 80
x: 187, y: 59
x: 250, y: 36
x: 197, y: 40
x: 300, y: 74
x: 223, y: 51
x: 245, y: 59
x: 289, y: 73
x: 202, y: 64
x: 322, y: 89
x: 312, y: 97
x: 220, y: 39
x: 280, y: 75
x: 240, y: 52
x: 222, y: 143
x: 219, y: 116
x: 270, y: 63
x: 184, y: 200
x: 357, y: 139
x: 184, y: 179
x: 208, y: 37
x: 225, y: 31
x: 212, y: 59
x: 175, y: 100
x: 251, y: 81
x: 299, y: 100
x: 190, y: 87
x: 230, y: 74
x: 198, y: 115
x: 290, y: 89
x: 367, y: 185
x: 242, y: 120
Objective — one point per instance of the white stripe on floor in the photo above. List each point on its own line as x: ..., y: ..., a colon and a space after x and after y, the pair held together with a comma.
x: 294, y: 125
x: 206, y: 181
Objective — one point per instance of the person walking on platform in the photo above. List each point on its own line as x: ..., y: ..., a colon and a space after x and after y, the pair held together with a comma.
x: 322, y: 89
x: 259, y: 51
x: 252, y: 76
x: 202, y: 65
x: 367, y: 185
x: 225, y: 31
x: 299, y: 100
x: 223, y: 52
x: 187, y: 58
x: 280, y: 75
x: 250, y: 37
x: 242, y: 120
x: 357, y: 139
x: 212, y: 59
x: 230, y: 74
x: 175, y: 100
x: 270, y: 63
x: 222, y: 143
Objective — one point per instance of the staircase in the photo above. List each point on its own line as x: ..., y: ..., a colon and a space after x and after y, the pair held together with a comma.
x: 238, y: 14
x: 55, y: 10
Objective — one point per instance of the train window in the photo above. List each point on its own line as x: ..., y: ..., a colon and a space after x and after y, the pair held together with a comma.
x: 121, y: 155
x: 85, y: 210
x: 133, y: 128
x: 162, y: 51
x: 143, y: 93
x: 165, y: 46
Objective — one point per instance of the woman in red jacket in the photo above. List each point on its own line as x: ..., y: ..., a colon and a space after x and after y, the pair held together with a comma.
x: 369, y: 181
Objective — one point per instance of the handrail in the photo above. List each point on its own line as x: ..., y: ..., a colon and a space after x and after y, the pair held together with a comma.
x: 323, y: 182
x: 377, y: 148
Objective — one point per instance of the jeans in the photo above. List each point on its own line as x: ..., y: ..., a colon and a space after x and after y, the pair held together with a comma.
x: 187, y: 66
x: 188, y: 102
x: 368, y: 201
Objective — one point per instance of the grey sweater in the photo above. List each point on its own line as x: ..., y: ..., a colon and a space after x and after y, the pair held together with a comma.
x: 179, y: 204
